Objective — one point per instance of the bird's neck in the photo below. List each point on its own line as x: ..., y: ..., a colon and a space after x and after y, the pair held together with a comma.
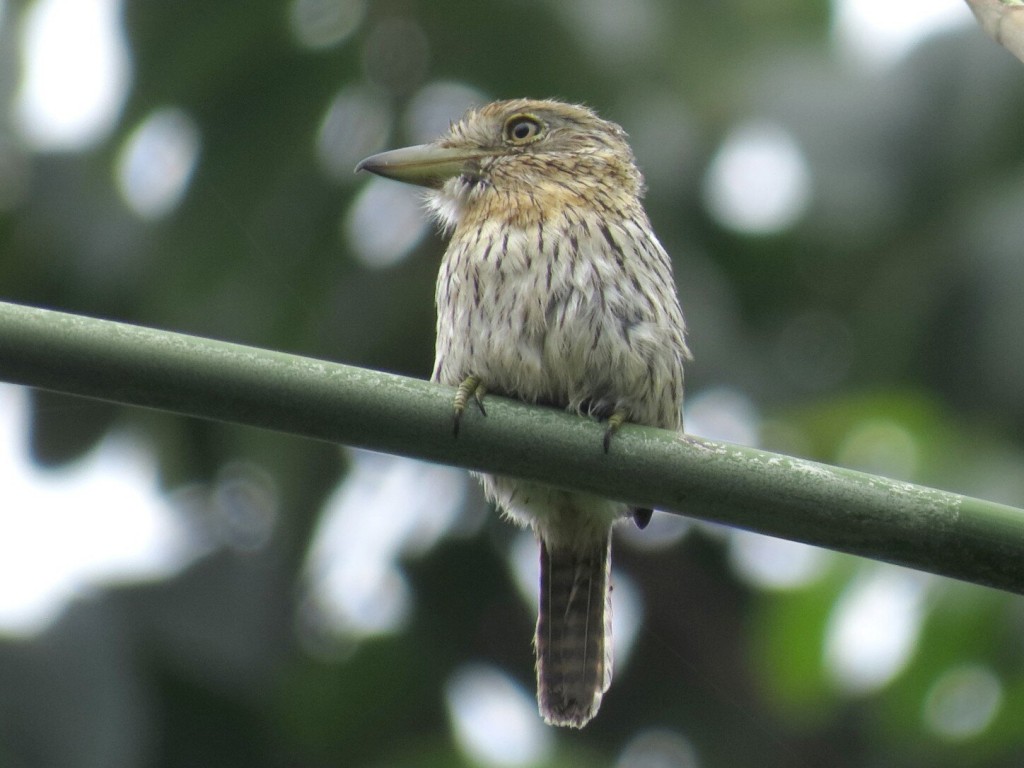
x: 469, y: 207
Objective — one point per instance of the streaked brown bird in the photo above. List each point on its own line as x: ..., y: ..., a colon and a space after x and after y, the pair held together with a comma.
x: 554, y: 290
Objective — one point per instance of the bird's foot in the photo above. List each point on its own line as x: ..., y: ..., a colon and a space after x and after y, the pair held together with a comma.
x: 615, y: 421
x: 471, y: 386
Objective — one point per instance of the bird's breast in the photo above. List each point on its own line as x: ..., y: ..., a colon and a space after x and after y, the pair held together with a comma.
x: 549, y: 313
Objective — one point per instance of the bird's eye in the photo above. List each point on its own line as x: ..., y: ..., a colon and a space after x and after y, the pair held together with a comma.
x: 522, y: 129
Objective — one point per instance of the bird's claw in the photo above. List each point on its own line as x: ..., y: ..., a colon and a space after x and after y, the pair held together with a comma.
x: 471, y: 386
x: 615, y: 421
x: 642, y: 517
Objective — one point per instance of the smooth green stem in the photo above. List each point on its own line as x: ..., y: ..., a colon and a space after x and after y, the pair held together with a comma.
x: 849, y: 511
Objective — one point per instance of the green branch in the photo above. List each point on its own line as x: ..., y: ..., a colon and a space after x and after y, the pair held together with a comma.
x: 849, y: 511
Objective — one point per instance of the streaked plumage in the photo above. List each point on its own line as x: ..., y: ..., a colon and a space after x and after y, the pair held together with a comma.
x: 555, y: 290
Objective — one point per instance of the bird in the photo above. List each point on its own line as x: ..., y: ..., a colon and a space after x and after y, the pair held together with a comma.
x: 553, y: 290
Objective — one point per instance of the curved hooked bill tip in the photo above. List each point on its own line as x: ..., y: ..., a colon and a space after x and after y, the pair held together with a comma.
x: 428, y: 165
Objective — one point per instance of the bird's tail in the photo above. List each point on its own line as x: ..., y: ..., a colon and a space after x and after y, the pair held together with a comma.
x: 574, y: 653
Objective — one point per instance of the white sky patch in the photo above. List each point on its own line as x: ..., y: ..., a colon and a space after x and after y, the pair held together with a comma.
x: 157, y: 161
x: 874, y: 627
x: 494, y: 719
x: 385, y: 507
x: 877, y: 33
x: 76, y: 68
x: 63, y: 532
x: 758, y: 182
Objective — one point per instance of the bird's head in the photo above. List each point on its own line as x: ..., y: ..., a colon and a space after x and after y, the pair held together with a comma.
x: 528, y: 159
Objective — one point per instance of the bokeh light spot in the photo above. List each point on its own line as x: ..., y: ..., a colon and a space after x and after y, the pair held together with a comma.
x: 357, y: 124
x: 157, y: 161
x: 76, y: 67
x: 665, y: 530
x: 770, y: 563
x: 658, y: 748
x: 758, y: 182
x: 881, y: 447
x: 627, y: 617
x: 386, y: 221
x: 963, y: 702
x: 723, y: 414
x: 244, y: 506
x: 320, y: 24
x: 524, y: 560
x: 494, y: 719
x: 435, y: 106
x: 385, y: 508
x: 874, y: 626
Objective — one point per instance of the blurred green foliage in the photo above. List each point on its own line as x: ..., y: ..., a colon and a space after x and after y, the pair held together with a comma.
x: 882, y: 329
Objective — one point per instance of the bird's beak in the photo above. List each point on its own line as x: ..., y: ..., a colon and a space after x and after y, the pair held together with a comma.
x: 429, y: 165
